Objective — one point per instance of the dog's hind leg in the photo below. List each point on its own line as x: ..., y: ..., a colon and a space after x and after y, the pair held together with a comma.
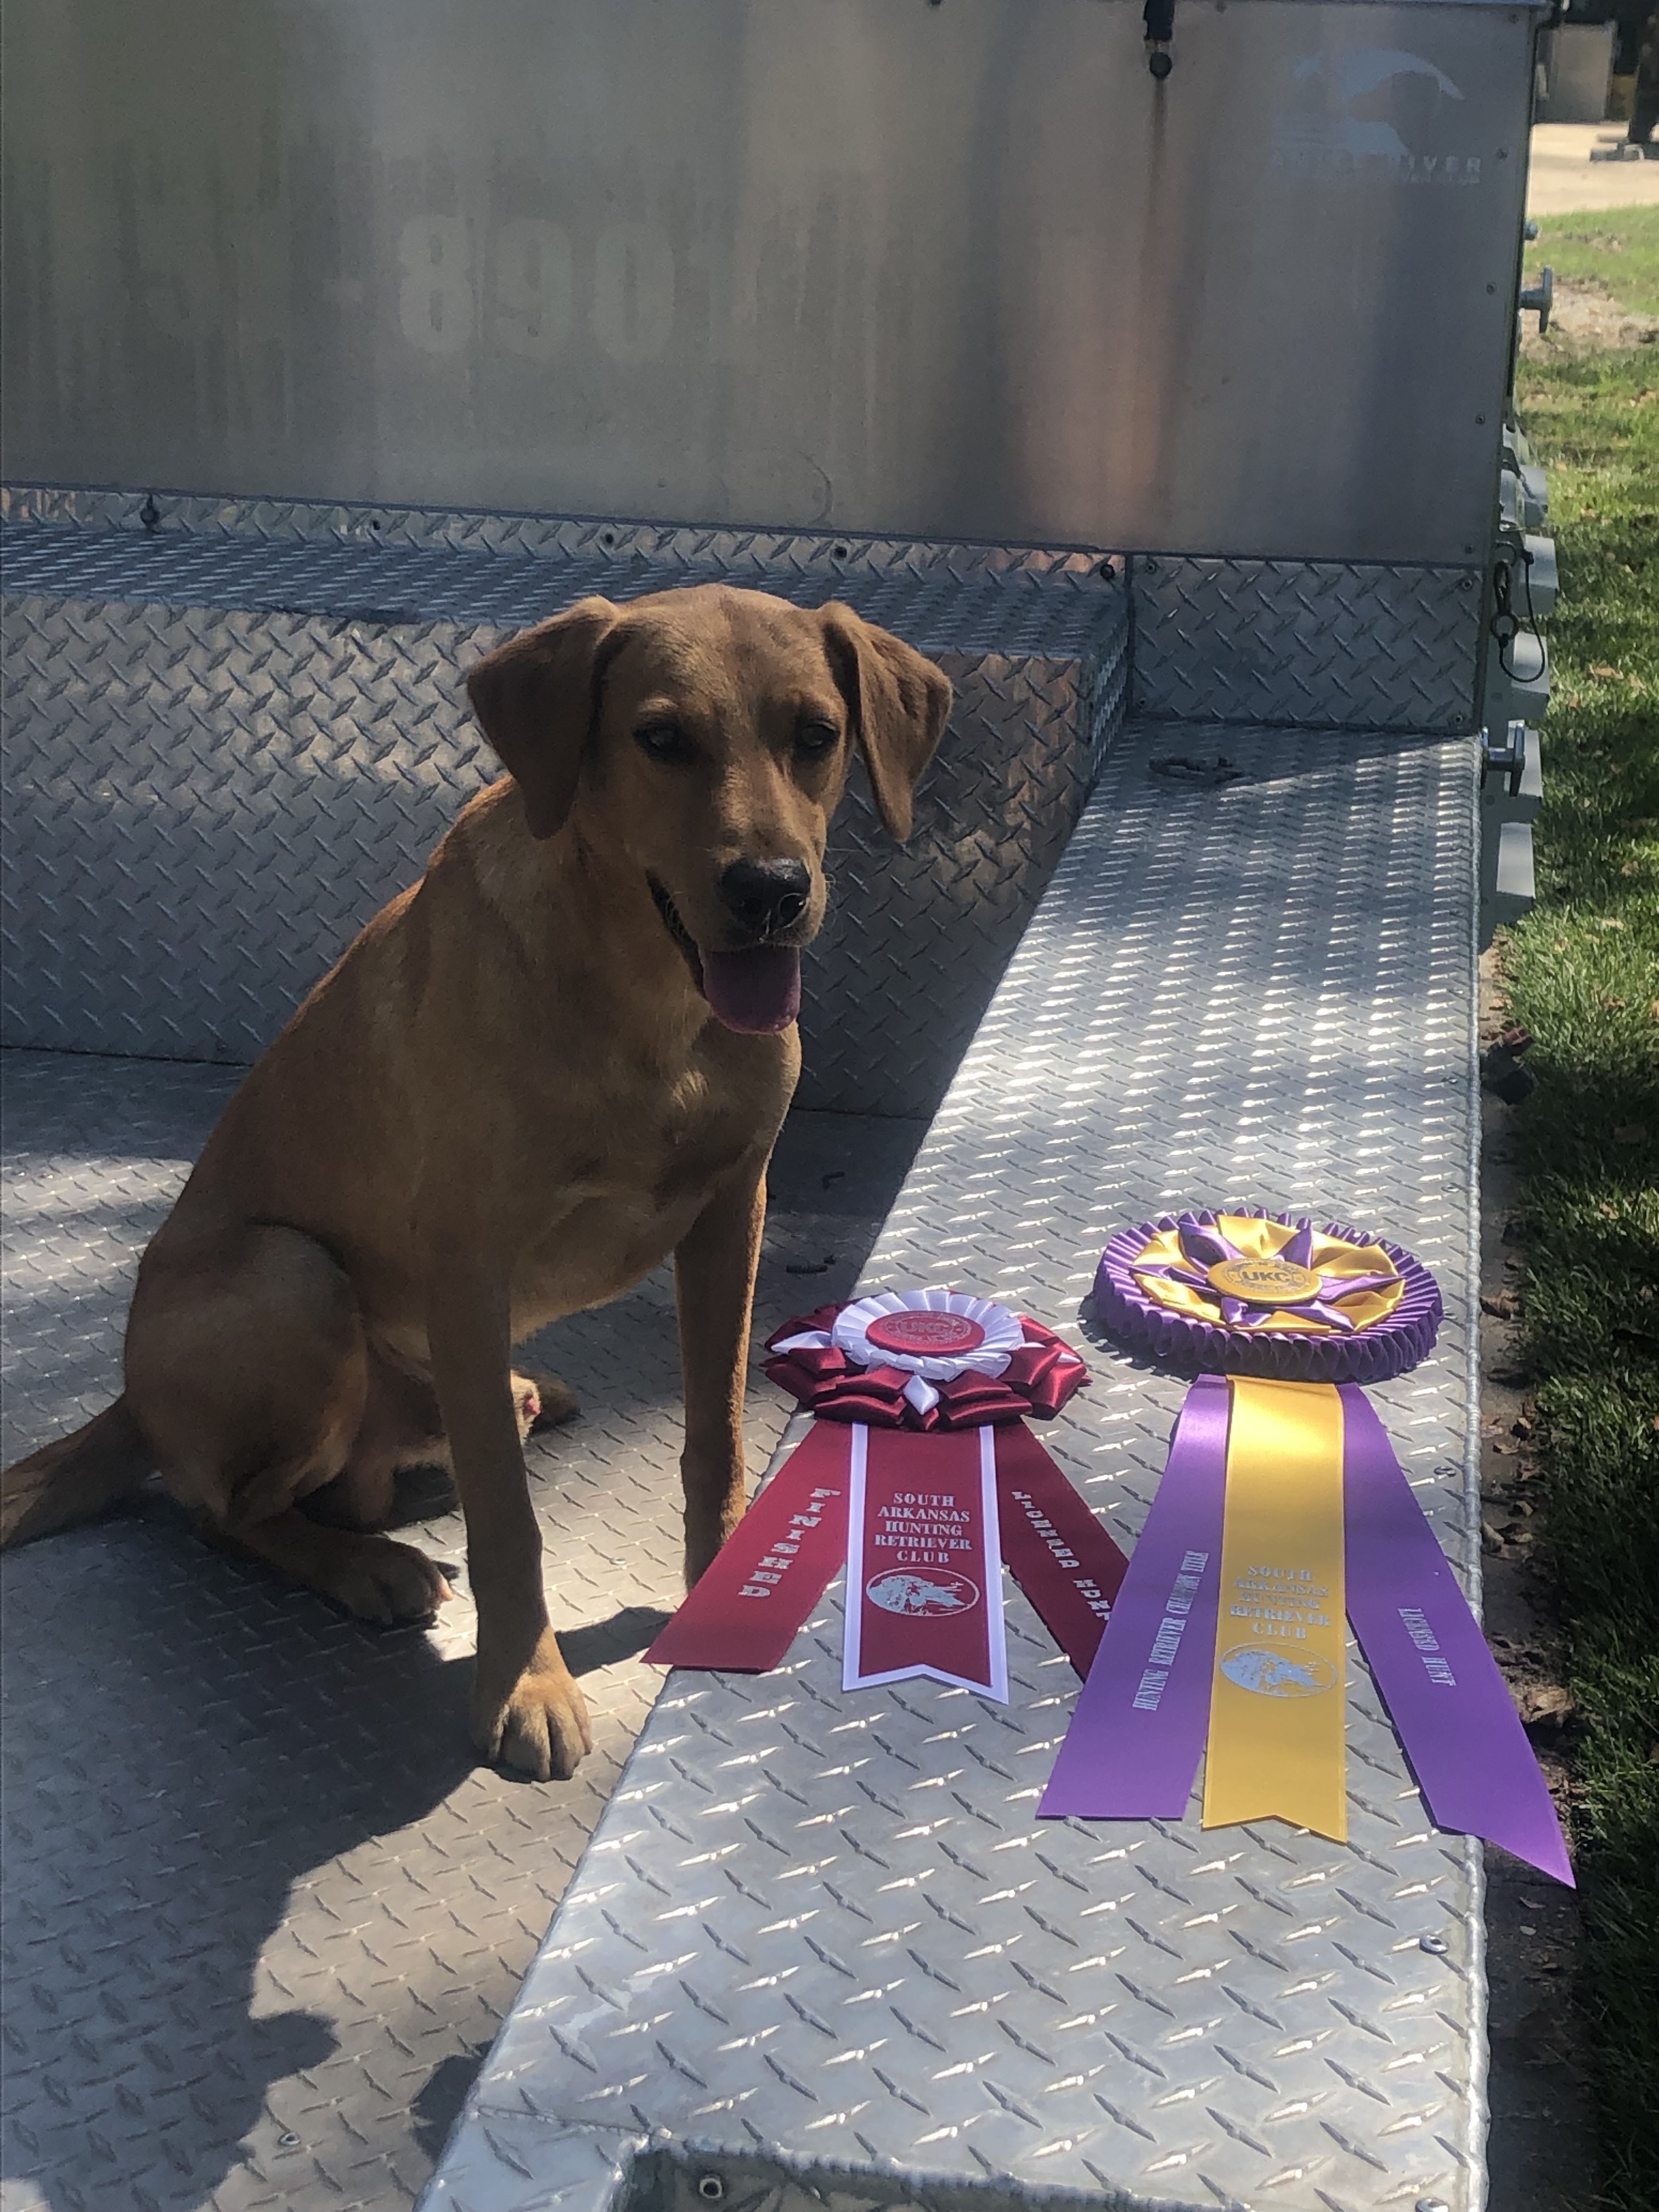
x: 248, y: 1372
x: 401, y: 1429
x: 374, y: 1577
x: 543, y: 1401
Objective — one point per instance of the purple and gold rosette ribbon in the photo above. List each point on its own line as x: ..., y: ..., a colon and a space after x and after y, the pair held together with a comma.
x: 1283, y: 1516
x: 1256, y: 1293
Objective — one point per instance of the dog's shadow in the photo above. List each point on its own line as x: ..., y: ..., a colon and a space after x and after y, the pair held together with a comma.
x: 187, y: 1741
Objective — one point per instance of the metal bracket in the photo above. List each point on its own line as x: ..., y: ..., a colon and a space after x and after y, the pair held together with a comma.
x: 1539, y: 299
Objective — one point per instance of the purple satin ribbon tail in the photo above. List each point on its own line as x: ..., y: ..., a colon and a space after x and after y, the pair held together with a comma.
x: 1441, y: 1684
x: 1133, y: 1746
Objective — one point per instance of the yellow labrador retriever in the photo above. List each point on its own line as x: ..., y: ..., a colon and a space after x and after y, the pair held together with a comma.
x: 562, y: 1055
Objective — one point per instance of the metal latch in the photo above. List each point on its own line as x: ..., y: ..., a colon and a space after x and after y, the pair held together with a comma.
x: 1158, y: 18
x: 1539, y: 299
x: 1507, y: 757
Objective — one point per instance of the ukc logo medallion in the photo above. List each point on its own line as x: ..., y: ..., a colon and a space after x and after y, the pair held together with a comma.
x: 1265, y: 1282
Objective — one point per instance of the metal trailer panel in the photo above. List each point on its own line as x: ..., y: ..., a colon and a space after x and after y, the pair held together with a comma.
x: 823, y: 1939
x: 953, y: 272
x: 224, y: 754
x: 1305, y: 643
x: 236, y: 728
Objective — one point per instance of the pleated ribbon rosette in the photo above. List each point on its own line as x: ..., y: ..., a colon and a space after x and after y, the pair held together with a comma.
x: 1262, y: 1294
x: 1283, y: 1513
x: 920, y: 1473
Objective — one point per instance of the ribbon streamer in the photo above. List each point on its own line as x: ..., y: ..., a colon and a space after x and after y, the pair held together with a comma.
x: 1066, y: 1564
x: 1310, y: 1460
x: 749, y: 1605
x: 1138, y: 1733
x: 755, y: 1597
x: 1277, y: 1703
x: 1441, y: 1684
x: 924, y: 1566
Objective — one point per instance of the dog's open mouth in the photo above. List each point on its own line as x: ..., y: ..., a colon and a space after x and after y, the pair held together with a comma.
x: 756, y: 991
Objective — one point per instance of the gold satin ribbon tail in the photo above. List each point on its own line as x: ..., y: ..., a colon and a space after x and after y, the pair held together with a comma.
x: 1277, y: 1698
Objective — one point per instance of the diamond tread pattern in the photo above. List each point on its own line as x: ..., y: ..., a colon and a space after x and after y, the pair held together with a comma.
x: 746, y: 555
x: 941, y: 609
x: 1351, y: 646
x: 828, y: 1933
x: 1306, y: 643
x: 263, y: 1911
x: 206, y: 805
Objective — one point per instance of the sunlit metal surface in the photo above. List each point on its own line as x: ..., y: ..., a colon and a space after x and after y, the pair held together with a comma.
x: 826, y: 1935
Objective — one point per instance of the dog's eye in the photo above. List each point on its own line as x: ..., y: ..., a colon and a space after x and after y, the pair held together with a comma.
x: 817, y: 738
x: 664, y: 741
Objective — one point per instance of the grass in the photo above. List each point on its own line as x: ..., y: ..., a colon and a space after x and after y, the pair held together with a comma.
x: 1582, y: 975
x: 1616, y: 252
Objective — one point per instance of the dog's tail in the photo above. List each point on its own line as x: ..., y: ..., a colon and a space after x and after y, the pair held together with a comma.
x: 74, y: 1478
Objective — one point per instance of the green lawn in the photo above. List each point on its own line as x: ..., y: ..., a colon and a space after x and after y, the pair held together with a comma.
x: 1582, y: 975
x: 1618, y: 253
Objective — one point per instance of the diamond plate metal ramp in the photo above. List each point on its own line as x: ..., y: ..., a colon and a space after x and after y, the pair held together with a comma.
x: 231, y: 737
x: 824, y: 1939
x: 1314, y: 643
x: 262, y: 1913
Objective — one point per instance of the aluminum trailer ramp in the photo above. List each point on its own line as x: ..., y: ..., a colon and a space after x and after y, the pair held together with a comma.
x: 820, y: 1949
x: 264, y: 1910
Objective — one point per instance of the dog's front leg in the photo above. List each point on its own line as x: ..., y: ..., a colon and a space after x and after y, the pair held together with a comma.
x: 715, y: 1287
x: 527, y: 1709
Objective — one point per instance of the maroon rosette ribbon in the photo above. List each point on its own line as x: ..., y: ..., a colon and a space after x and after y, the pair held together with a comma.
x: 1038, y: 1378
x: 921, y: 1475
x: 1334, y: 1349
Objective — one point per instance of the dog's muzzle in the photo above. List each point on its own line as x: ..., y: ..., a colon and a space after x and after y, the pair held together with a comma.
x: 755, y: 990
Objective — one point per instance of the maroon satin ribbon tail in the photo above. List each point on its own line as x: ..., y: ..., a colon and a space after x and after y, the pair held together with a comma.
x: 924, y: 1582
x: 752, y: 1601
x: 1067, y: 1565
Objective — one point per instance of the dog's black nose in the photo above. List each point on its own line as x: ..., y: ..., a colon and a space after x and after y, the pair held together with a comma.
x: 766, y: 896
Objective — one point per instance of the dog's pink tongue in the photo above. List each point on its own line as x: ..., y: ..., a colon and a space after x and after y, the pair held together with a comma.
x: 758, y: 993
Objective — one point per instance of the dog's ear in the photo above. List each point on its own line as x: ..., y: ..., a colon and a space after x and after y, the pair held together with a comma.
x: 536, y: 698
x: 898, y: 702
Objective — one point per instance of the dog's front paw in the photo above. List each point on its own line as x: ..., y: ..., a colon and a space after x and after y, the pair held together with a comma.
x: 540, y: 1726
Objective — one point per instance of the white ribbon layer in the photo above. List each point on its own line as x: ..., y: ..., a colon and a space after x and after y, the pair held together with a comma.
x: 1003, y: 1337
